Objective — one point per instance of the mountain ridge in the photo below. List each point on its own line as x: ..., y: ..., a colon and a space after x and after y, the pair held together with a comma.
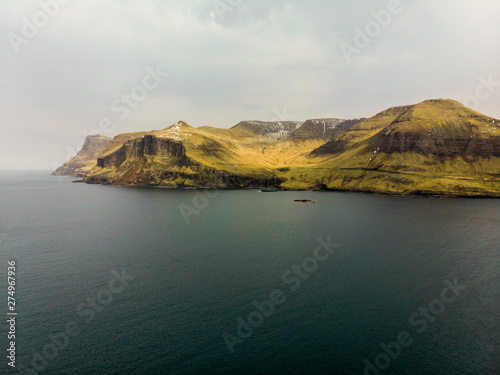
x: 436, y: 147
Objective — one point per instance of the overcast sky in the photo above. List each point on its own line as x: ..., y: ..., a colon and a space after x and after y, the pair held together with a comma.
x: 71, y: 69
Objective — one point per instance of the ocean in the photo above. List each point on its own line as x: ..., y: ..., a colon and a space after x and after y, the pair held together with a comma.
x: 135, y: 280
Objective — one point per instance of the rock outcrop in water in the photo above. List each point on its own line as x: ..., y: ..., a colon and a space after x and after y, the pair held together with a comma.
x: 437, y: 147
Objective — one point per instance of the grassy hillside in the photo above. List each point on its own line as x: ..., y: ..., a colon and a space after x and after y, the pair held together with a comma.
x: 435, y: 147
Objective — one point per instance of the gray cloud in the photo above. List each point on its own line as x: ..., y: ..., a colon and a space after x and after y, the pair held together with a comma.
x: 244, y: 63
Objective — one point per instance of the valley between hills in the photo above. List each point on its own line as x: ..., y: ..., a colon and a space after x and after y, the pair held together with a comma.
x: 437, y: 148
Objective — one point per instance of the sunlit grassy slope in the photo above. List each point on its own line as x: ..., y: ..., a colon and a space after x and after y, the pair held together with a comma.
x: 436, y: 147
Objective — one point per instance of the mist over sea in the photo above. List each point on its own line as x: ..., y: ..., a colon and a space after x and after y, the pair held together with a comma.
x: 133, y: 280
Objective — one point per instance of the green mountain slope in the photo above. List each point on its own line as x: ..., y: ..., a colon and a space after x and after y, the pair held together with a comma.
x: 437, y: 147
x: 246, y: 155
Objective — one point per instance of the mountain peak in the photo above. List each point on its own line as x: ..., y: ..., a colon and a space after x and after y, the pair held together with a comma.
x: 441, y: 102
x: 274, y: 130
x: 179, y: 125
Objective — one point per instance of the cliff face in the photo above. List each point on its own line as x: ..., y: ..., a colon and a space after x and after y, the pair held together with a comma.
x: 271, y: 130
x: 322, y: 128
x: 83, y: 162
x: 469, y: 144
x: 437, y: 147
x: 147, y: 145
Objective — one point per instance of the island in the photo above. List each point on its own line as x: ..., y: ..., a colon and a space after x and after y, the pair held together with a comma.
x: 437, y: 147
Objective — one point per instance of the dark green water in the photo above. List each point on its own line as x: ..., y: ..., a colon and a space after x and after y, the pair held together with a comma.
x: 193, y: 281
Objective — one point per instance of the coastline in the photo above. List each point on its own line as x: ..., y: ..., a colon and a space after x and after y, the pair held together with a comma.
x: 421, y: 194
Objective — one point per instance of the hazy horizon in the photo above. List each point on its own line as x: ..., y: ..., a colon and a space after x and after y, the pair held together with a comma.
x: 70, y: 69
